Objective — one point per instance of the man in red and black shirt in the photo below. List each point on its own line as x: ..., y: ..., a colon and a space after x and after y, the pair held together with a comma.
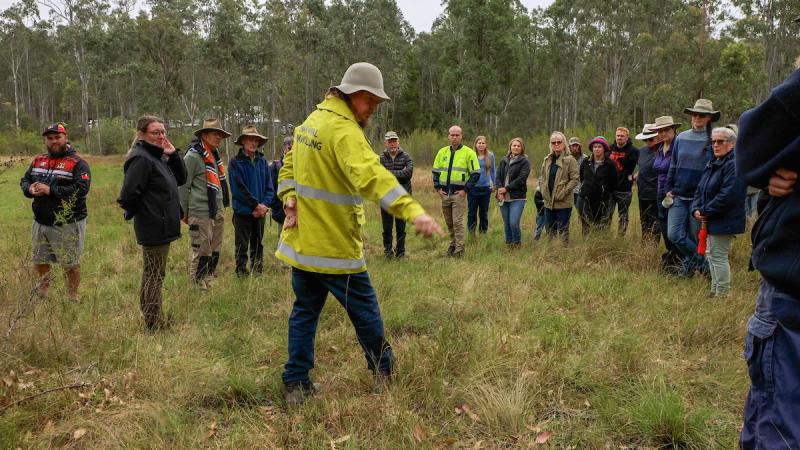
x: 58, y: 183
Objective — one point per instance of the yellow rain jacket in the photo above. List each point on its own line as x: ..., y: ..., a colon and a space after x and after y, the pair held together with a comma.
x: 330, y: 170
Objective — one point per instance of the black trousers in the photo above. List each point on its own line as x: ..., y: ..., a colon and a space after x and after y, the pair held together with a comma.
x: 648, y: 214
x: 248, y: 232
x: 388, y: 220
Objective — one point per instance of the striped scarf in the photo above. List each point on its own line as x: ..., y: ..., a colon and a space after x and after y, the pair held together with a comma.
x: 215, y: 176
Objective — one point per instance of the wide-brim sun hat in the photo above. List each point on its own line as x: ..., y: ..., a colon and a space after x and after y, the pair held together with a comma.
x: 363, y: 76
x: 212, y: 124
x: 703, y: 106
x: 647, y: 133
x: 664, y: 122
x: 252, y: 131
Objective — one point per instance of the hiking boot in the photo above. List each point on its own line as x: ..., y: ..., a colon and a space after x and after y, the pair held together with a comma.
x: 458, y: 254
x: 298, y: 393
x: 383, y: 382
x: 451, y: 250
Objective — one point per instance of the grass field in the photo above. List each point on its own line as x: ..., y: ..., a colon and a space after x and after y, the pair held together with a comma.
x: 589, y: 342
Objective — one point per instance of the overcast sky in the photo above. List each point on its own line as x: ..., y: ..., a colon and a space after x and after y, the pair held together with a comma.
x: 419, y: 13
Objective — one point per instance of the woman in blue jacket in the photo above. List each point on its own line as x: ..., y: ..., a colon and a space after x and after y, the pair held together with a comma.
x: 719, y: 202
x: 480, y: 195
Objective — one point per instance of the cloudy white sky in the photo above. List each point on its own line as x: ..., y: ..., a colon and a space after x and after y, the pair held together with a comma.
x: 419, y: 13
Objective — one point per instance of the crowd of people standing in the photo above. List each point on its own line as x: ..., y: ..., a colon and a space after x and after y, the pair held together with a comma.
x: 692, y: 194
x: 685, y: 182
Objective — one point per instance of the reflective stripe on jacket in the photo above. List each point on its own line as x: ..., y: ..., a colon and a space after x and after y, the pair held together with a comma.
x: 330, y: 170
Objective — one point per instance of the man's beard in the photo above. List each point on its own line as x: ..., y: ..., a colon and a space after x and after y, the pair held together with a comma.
x: 57, y: 149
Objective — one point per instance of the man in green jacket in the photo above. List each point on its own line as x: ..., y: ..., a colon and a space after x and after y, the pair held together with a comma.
x: 203, y: 199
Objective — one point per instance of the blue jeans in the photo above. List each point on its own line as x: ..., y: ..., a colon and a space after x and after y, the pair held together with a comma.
x: 557, y: 221
x: 512, y: 214
x: 539, y: 224
x: 356, y: 294
x: 478, y: 201
x: 772, y: 352
x: 682, y: 229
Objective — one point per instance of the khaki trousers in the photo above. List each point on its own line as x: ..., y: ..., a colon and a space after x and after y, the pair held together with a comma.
x: 454, y: 206
x: 206, y: 237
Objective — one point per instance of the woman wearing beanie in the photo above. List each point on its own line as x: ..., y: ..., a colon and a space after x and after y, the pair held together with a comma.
x: 599, y: 180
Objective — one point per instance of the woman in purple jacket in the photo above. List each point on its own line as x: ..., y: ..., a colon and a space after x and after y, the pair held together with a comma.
x: 671, y: 260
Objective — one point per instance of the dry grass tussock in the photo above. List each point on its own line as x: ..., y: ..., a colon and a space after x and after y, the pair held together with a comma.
x: 583, y: 346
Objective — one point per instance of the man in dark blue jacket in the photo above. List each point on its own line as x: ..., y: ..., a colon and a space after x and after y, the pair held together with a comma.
x: 251, y: 186
x: 768, y: 156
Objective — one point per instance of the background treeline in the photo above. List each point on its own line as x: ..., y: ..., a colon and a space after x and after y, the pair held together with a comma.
x: 491, y: 65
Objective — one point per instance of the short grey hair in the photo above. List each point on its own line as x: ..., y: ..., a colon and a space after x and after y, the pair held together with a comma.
x: 725, y: 131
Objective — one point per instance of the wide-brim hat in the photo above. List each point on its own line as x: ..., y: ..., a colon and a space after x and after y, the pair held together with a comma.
x: 251, y: 130
x: 363, y: 76
x: 647, y: 133
x: 664, y: 122
x: 703, y: 106
x: 211, y: 124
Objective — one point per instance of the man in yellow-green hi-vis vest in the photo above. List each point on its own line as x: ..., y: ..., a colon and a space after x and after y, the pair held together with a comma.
x: 326, y: 176
x: 455, y: 171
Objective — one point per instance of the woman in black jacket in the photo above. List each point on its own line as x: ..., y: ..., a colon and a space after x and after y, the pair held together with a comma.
x: 599, y: 180
x: 512, y: 189
x: 149, y: 196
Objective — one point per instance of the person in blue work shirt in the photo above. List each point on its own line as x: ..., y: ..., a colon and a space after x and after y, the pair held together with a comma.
x: 455, y: 171
x: 252, y: 190
x: 768, y: 157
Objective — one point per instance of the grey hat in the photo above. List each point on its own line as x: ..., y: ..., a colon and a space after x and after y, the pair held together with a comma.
x: 574, y: 140
x: 703, y: 106
x: 664, y: 122
x: 647, y: 133
x: 363, y: 76
x: 390, y: 135
x: 288, y: 140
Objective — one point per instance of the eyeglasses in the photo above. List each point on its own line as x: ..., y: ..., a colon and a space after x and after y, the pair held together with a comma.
x: 556, y: 142
x: 719, y: 141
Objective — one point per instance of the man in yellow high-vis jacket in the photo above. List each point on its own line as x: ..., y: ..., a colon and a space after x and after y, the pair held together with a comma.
x: 455, y: 170
x: 326, y: 176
